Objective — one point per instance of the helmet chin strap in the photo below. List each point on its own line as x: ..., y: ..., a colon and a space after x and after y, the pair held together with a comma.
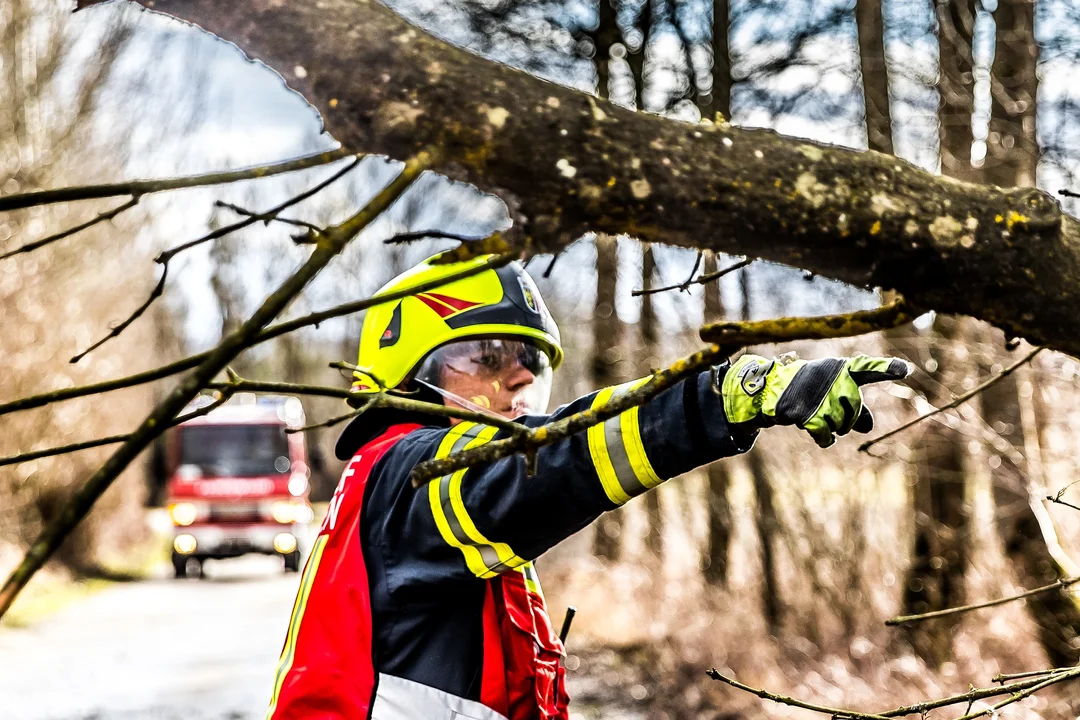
x: 458, y: 400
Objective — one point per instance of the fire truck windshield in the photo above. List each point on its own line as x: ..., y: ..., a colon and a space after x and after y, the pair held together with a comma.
x: 235, y: 450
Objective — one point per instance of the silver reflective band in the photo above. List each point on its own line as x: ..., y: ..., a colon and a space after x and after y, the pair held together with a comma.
x: 487, y: 553
x: 400, y: 699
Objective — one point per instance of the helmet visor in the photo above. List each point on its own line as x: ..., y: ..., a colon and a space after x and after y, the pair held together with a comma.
x: 508, y: 377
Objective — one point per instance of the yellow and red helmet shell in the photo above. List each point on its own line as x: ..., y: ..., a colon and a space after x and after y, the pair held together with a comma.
x: 398, y: 335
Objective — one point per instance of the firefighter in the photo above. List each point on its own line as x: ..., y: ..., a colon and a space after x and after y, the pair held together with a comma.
x: 423, y: 604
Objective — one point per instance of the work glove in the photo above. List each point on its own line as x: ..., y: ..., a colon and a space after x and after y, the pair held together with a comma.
x: 819, y: 396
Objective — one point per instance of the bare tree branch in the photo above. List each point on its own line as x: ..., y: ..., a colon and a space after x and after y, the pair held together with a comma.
x: 793, y: 702
x: 330, y: 245
x: 908, y: 619
x: 960, y: 400
x: 138, y: 188
x: 700, y: 280
x: 270, y: 214
x: 123, y: 325
x: 108, y: 215
x: 252, y: 214
x: 222, y: 398
x: 863, y: 218
x: 824, y: 327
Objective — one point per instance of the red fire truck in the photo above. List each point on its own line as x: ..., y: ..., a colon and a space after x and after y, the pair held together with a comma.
x: 237, y: 483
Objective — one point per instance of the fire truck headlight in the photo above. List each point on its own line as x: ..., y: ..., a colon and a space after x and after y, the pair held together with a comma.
x: 298, y: 484
x: 284, y: 543
x: 302, y: 513
x: 183, y: 513
x: 283, y: 512
x: 185, y: 544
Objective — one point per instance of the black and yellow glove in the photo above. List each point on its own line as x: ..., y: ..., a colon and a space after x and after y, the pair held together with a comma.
x: 819, y: 396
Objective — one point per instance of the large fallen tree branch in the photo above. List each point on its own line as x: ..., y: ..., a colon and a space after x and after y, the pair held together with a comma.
x: 567, y: 163
x: 330, y: 244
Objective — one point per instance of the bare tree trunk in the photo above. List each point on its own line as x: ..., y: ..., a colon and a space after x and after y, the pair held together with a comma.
x: 718, y: 543
x: 718, y: 100
x: 940, y: 553
x: 1012, y: 160
x: 1012, y: 149
x: 875, y: 75
x: 939, y: 557
x: 637, y: 59
x: 654, y: 533
x: 606, y: 339
x: 606, y: 35
x: 956, y: 85
x: 765, y: 519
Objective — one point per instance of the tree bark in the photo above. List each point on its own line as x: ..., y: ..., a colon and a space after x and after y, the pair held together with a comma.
x: 868, y: 219
x: 607, y: 337
x: 718, y: 543
x: 875, y: 75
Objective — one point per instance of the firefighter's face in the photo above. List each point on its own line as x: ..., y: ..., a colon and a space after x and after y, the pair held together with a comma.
x: 507, y: 377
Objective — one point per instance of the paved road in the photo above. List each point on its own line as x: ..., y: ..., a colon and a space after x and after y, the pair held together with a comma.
x: 156, y: 650
x: 178, y: 650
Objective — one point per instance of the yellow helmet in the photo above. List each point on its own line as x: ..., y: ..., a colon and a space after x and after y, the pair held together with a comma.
x: 397, y: 336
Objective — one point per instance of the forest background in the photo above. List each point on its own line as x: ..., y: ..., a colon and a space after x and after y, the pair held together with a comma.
x: 779, y: 566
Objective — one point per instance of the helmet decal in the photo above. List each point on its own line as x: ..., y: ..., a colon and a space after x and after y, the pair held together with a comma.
x: 393, y: 330
x: 528, y: 293
x: 445, y: 305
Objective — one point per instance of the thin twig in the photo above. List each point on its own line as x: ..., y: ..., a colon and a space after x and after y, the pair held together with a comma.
x: 334, y: 241
x: 908, y: 619
x: 1006, y: 677
x: 108, y: 215
x: 1020, y: 695
x: 401, y: 238
x: 123, y: 325
x: 1059, y: 501
x: 145, y: 187
x: 111, y: 439
x: 1068, y: 193
x: 267, y: 220
x: 700, y: 280
x: 971, y: 696
x: 793, y: 702
x: 956, y: 402
x: 166, y: 257
x: 314, y: 319
x: 270, y: 214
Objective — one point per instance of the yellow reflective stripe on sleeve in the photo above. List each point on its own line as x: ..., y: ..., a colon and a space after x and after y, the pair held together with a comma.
x: 635, y: 449
x: 599, y: 454
x: 299, y: 605
x: 617, y: 451
x: 483, y: 557
x: 532, y: 580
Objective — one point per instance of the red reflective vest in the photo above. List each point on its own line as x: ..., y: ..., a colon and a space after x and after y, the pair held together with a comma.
x: 328, y: 667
